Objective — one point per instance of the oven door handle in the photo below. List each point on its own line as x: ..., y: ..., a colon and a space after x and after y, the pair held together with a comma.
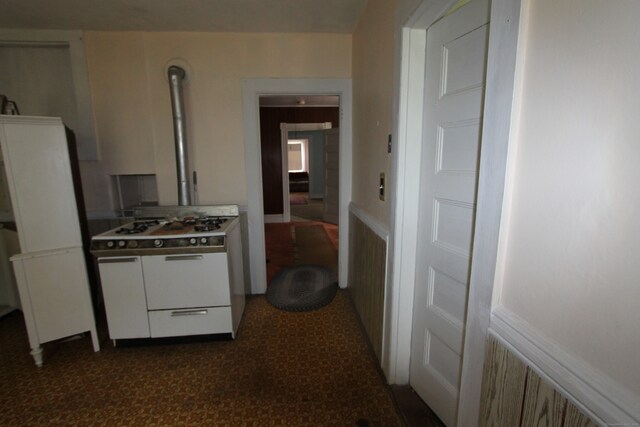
x: 188, y: 313
x: 183, y: 257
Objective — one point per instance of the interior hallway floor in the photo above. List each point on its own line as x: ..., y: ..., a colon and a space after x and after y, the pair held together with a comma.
x: 282, y: 247
x: 284, y: 369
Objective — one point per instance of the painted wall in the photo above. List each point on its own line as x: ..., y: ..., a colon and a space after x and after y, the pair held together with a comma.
x: 373, y: 54
x: 133, y: 110
x: 570, y: 237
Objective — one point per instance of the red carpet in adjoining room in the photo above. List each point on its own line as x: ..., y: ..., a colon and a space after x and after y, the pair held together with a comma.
x: 281, y: 246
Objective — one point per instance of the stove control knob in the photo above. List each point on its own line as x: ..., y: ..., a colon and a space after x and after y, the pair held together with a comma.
x: 158, y: 243
x: 204, y: 240
x: 193, y: 241
x: 111, y: 244
x: 122, y: 244
x: 133, y: 244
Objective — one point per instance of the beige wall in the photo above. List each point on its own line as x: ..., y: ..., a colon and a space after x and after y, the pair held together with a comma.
x: 571, y: 249
x: 373, y: 65
x: 133, y: 110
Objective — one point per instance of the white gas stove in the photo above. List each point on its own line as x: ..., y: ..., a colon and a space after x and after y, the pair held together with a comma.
x: 173, y: 271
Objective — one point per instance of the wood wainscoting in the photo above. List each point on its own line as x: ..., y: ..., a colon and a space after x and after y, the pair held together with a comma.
x: 514, y: 395
x: 367, y: 271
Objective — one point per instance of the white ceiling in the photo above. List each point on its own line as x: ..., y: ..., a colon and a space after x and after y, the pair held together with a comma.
x: 318, y: 16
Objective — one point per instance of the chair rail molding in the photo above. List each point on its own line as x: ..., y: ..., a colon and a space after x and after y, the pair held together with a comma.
x: 594, y: 393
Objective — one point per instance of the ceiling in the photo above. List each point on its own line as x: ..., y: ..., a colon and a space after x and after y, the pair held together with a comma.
x: 309, y: 16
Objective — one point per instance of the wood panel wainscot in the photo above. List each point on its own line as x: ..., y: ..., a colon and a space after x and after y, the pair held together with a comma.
x: 367, y: 270
x: 514, y: 395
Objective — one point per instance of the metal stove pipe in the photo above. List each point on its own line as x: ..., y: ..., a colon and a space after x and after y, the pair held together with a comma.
x: 176, y: 77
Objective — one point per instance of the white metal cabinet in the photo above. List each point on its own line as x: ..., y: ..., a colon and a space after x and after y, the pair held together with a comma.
x: 50, y: 270
x: 124, y: 297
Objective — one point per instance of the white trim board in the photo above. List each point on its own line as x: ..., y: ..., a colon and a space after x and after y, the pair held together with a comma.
x: 268, y: 219
x: 595, y: 394
x: 285, y: 128
x: 252, y: 89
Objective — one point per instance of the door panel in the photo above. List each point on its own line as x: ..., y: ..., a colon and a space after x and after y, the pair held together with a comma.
x: 454, y: 87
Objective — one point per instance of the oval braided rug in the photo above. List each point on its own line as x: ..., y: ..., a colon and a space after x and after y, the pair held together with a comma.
x: 302, y: 288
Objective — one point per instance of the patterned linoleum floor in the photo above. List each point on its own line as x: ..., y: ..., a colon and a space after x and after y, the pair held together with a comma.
x: 285, y: 369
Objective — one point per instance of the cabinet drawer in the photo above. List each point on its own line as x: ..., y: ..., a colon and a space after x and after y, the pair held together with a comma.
x: 191, y: 321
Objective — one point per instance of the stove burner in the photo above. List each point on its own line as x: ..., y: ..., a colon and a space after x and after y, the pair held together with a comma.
x: 137, y: 227
x: 209, y: 227
x: 209, y: 224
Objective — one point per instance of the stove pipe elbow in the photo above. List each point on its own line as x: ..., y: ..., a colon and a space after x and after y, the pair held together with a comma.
x: 176, y: 77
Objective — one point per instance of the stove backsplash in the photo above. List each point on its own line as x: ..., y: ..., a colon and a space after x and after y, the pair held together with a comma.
x: 132, y: 191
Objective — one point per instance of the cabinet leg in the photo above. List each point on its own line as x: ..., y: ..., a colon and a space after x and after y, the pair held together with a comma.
x: 94, y: 339
x: 37, y: 356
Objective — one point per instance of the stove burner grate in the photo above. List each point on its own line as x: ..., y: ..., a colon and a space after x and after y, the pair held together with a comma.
x: 137, y: 227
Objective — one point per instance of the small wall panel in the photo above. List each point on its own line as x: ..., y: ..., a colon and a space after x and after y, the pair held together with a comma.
x: 367, y: 271
x: 503, y: 387
x: 543, y: 406
x: 574, y: 418
x: 513, y: 394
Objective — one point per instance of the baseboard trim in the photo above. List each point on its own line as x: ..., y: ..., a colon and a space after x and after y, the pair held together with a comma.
x: 273, y: 218
x: 376, y: 226
x: 597, y: 395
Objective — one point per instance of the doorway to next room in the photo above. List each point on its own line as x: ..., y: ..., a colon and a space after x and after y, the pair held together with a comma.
x: 299, y: 147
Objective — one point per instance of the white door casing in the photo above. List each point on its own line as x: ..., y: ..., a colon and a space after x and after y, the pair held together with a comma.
x: 284, y: 149
x: 252, y: 89
x: 330, y: 205
x: 455, y: 73
x: 285, y: 128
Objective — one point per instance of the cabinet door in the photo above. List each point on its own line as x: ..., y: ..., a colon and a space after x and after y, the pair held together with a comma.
x: 124, y: 298
x: 39, y: 176
x: 55, y: 294
x: 187, y: 280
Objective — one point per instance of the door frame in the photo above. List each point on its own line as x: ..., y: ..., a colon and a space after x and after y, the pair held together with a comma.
x: 252, y: 89
x: 411, y: 26
x: 285, y: 128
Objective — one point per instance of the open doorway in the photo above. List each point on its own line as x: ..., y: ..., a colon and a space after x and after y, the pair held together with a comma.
x: 305, y: 199
x: 298, y: 228
x: 253, y: 90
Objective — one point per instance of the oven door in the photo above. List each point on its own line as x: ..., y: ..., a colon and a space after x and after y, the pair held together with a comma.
x: 186, y: 280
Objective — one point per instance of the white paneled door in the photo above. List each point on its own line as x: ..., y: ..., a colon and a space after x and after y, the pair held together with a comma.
x: 454, y: 89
